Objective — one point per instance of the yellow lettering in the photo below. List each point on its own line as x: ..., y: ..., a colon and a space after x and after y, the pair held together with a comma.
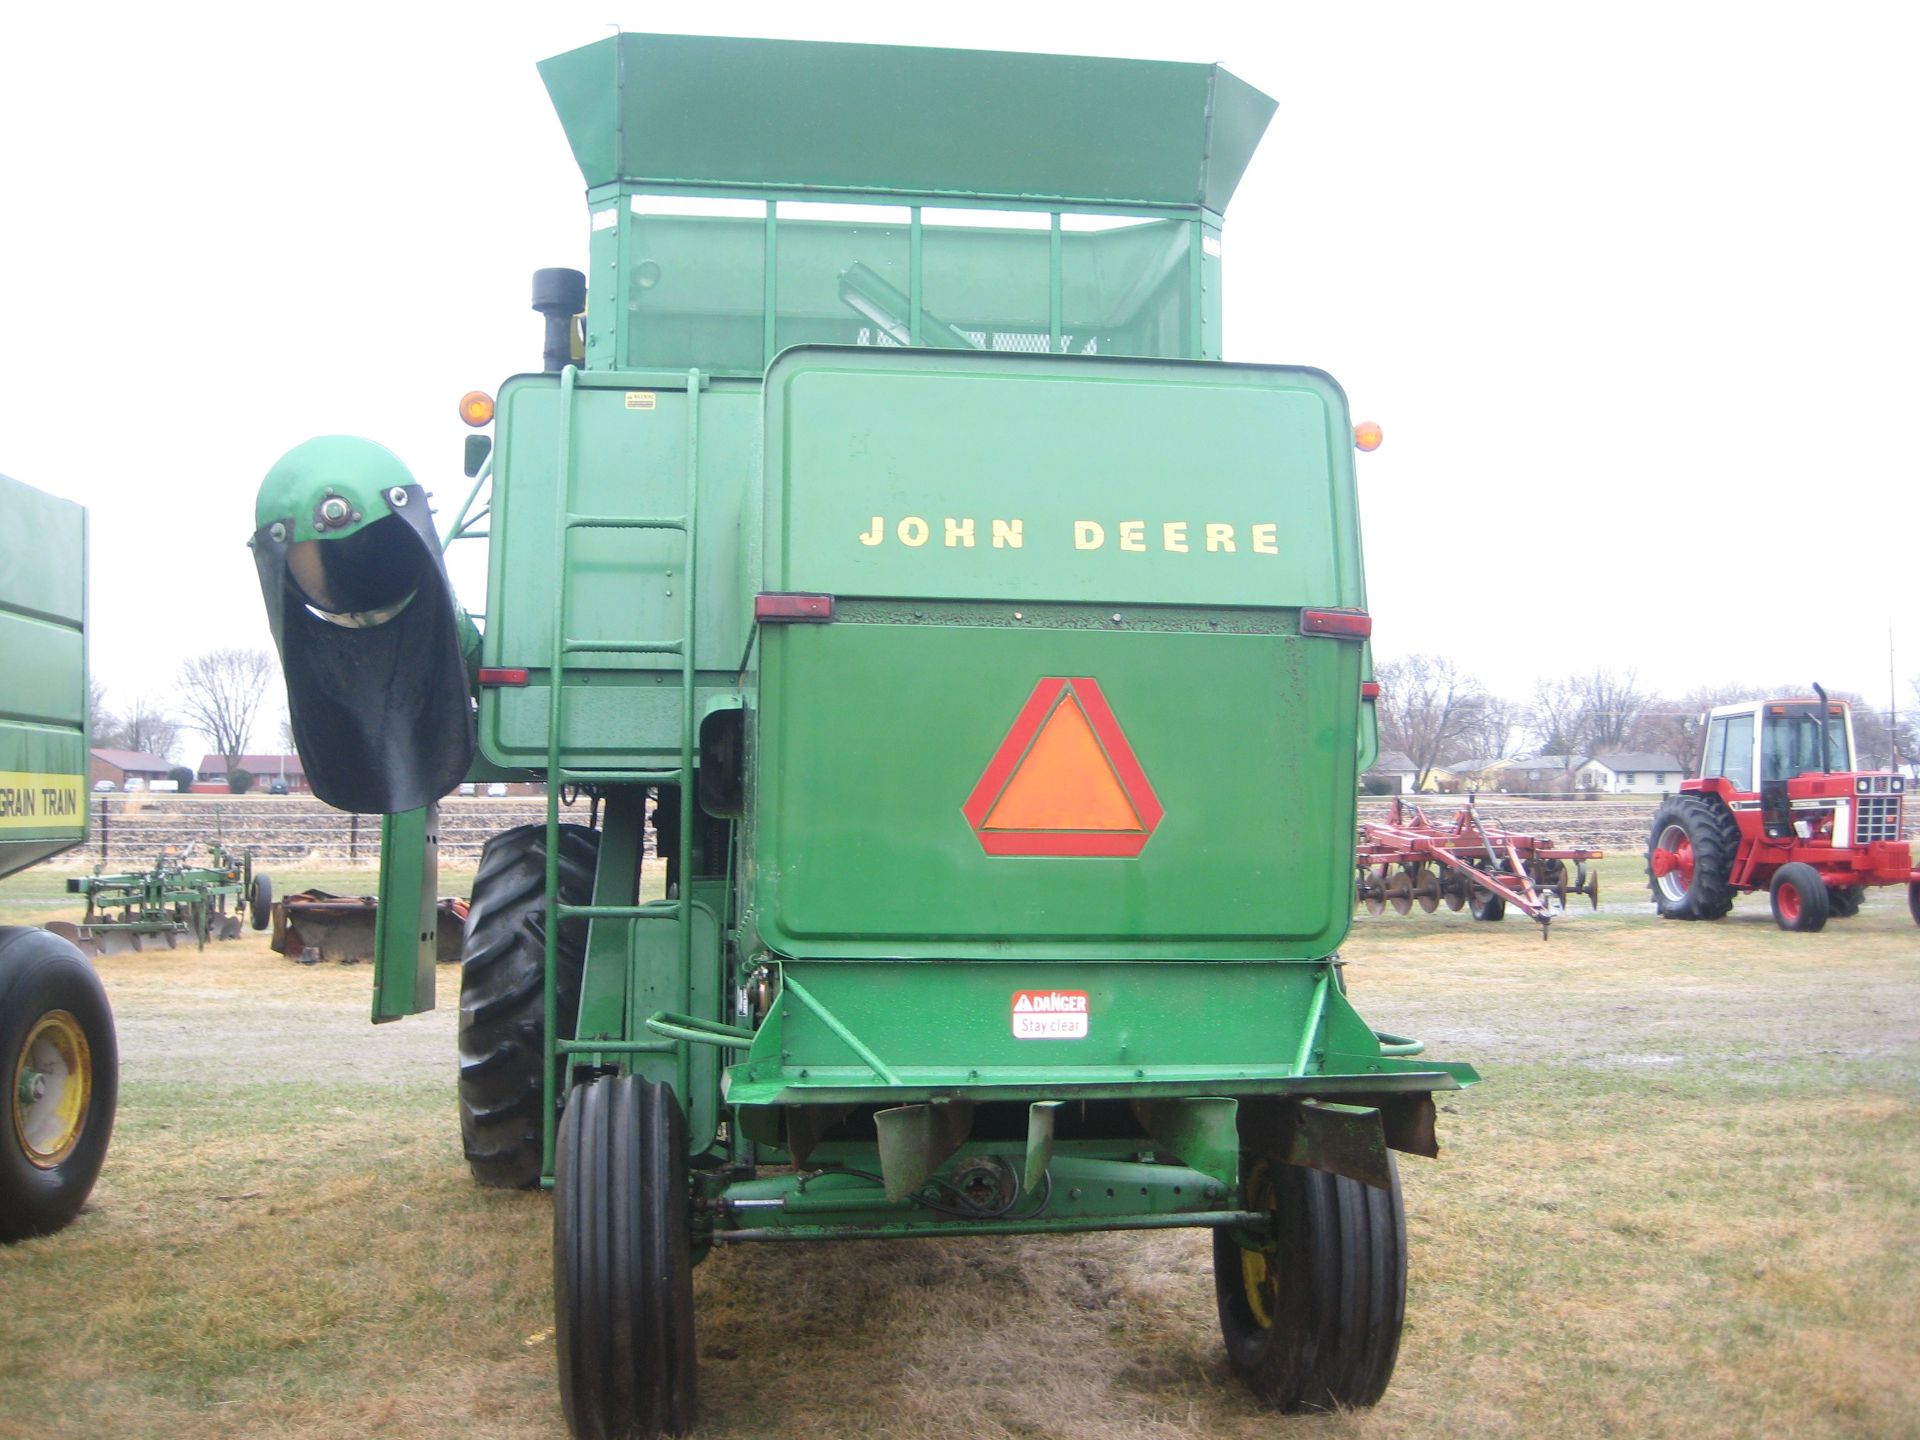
x: 1009, y: 534
x: 1266, y: 538
x: 1133, y: 535
x: 874, y: 534
x: 959, y: 532
x: 1173, y: 536
x: 912, y: 531
x: 1220, y: 537
x: 1088, y: 535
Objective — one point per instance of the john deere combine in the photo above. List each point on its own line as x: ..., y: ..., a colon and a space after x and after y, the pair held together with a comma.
x: 58, y: 1057
x: 987, y: 657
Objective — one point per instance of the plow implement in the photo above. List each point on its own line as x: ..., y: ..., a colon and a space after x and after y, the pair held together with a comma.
x: 1411, y: 860
x: 129, y: 912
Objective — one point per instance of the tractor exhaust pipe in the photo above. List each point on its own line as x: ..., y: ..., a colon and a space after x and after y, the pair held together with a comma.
x: 1826, y: 761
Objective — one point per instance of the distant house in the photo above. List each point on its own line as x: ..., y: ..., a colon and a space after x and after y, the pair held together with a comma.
x: 117, y: 767
x: 1551, y: 775
x: 210, y: 776
x: 1472, y: 774
x: 1635, y: 773
x: 1395, y: 768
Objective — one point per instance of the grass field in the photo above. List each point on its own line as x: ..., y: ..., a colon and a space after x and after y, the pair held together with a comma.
x: 1685, y: 1203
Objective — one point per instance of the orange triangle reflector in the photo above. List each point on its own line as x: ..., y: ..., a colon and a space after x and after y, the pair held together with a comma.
x: 1064, y: 781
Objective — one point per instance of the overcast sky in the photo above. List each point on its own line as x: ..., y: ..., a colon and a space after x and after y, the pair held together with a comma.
x: 1632, y: 290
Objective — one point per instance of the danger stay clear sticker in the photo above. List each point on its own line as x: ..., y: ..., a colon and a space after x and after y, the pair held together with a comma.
x: 1050, y: 1014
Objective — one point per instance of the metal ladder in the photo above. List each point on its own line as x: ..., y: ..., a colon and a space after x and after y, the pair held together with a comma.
x: 675, y: 910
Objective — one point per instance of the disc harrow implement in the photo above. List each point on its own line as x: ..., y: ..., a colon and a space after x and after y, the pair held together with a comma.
x: 1411, y: 860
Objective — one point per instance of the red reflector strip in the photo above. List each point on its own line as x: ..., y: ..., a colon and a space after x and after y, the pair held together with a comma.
x: 499, y: 675
x: 1369, y: 689
x: 786, y: 607
x: 1348, y: 624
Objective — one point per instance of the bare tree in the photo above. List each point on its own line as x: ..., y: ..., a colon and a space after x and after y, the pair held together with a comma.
x: 1428, y: 710
x: 1673, y: 728
x: 221, y: 692
x: 149, y: 729
x: 1610, y: 709
x: 102, y: 724
x: 1493, y: 734
x: 1556, y: 715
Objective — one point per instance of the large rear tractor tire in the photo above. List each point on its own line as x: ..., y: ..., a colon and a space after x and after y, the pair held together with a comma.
x: 1913, y: 900
x: 502, y: 995
x: 622, y: 1261
x: 61, y: 1065
x: 1799, y: 898
x: 1843, y: 901
x: 1690, y: 858
x: 1312, y: 1315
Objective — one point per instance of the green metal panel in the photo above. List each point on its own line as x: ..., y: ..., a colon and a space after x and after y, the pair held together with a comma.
x: 945, y: 1029
x: 406, y: 946
x: 629, y: 432
x: 916, y: 473
x: 858, y: 841
x: 700, y: 110
x: 43, y: 655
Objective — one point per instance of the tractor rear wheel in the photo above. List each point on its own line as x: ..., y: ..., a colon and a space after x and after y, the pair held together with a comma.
x: 1690, y: 858
x: 1843, y: 901
x: 1312, y: 1313
x: 61, y: 1066
x: 622, y: 1261
x: 1799, y: 897
x: 503, y: 999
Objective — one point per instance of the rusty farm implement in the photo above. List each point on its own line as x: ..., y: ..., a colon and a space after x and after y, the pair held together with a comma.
x: 1468, y: 862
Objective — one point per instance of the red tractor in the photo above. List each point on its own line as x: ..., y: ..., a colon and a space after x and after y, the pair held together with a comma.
x: 1779, y: 807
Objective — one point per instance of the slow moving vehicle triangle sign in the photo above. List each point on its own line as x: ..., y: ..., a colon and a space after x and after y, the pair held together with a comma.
x: 1064, y: 781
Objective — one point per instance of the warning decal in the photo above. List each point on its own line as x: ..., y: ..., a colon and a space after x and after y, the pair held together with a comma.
x: 1064, y: 781
x: 1050, y: 1014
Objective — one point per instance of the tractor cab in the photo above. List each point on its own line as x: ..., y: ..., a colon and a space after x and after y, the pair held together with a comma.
x: 1793, y: 760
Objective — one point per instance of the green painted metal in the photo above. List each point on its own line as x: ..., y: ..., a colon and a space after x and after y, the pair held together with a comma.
x: 406, y: 936
x: 1202, y: 1133
x: 44, y: 762
x: 357, y: 474
x: 896, y: 120
x: 171, y: 899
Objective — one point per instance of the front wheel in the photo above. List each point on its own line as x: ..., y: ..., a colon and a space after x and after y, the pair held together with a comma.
x: 1311, y: 1311
x: 61, y: 1065
x: 622, y: 1261
x: 1799, y: 897
x: 260, y: 902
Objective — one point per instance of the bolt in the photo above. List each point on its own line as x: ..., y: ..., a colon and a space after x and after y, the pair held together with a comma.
x: 334, y: 510
x: 33, y: 1087
x: 277, y: 532
x: 1018, y: 616
x: 397, y: 497
x: 1116, y: 618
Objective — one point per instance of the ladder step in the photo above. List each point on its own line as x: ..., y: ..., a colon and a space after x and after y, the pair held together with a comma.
x: 658, y: 910
x: 623, y: 647
x: 621, y: 777
x: 626, y: 522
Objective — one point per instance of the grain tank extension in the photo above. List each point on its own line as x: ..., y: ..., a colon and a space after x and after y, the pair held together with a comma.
x: 886, y: 531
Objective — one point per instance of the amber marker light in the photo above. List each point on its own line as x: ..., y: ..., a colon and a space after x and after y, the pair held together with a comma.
x: 1367, y: 436
x: 476, y: 407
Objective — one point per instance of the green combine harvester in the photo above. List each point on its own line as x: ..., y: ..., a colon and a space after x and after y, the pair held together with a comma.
x: 58, y: 1055
x: 988, y: 658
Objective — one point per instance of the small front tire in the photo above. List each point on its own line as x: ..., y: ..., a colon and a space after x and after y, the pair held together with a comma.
x: 622, y: 1261
x: 1312, y: 1318
x: 1799, y: 897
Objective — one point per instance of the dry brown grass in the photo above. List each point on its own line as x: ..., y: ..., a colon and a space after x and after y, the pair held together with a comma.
x: 1686, y: 1203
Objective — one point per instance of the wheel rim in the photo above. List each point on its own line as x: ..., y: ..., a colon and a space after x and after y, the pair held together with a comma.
x: 1789, y: 901
x: 1673, y: 863
x: 1258, y: 1278
x: 52, y: 1081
